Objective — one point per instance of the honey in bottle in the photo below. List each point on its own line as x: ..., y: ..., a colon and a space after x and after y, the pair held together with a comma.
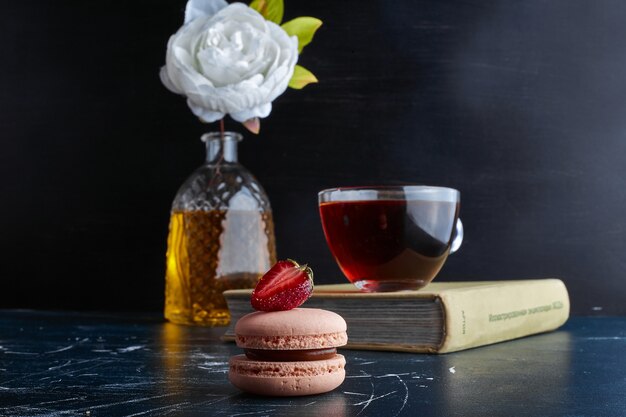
x: 221, y: 236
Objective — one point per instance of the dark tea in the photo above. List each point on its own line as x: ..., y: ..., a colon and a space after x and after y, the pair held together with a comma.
x: 387, y: 245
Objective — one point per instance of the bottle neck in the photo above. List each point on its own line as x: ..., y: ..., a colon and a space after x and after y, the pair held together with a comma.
x: 221, y: 148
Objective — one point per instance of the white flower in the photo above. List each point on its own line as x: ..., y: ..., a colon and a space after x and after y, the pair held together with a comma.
x: 227, y: 59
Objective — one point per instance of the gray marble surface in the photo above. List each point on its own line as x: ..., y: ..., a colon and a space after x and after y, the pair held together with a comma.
x: 70, y: 364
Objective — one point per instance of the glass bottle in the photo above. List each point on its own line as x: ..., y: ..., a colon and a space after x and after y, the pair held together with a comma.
x: 221, y: 236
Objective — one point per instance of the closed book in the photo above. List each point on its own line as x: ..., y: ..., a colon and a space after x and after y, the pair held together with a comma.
x: 441, y: 317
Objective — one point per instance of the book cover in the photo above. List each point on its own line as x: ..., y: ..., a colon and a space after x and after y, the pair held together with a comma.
x: 442, y: 317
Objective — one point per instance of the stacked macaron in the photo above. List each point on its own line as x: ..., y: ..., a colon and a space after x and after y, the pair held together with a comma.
x: 288, y: 352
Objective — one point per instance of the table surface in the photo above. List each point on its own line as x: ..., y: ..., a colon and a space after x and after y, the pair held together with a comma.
x: 73, y: 364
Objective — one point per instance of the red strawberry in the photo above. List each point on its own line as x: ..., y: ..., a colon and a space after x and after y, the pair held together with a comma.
x: 285, y: 286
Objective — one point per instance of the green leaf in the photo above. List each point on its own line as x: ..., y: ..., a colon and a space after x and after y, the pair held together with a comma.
x: 301, y: 77
x: 271, y: 10
x: 304, y: 28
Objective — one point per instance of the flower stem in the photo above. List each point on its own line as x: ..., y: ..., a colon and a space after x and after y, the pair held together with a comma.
x: 218, y: 165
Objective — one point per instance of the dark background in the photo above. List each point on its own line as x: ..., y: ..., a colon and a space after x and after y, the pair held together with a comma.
x: 521, y: 105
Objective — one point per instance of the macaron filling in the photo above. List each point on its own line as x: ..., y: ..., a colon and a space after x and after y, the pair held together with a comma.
x: 301, y: 355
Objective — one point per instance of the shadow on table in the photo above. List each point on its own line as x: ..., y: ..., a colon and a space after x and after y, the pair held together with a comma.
x: 535, y: 369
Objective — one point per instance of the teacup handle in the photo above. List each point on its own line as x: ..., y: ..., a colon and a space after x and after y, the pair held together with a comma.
x: 458, y: 237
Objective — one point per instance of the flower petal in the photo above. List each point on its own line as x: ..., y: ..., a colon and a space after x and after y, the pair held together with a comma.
x: 204, y: 114
x: 233, y: 62
x: 199, y: 8
x: 165, y: 79
x: 261, y: 111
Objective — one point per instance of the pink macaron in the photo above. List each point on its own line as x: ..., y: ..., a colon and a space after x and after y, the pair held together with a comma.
x: 289, y: 353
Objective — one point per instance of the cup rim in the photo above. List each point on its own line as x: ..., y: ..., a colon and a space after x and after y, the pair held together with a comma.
x: 425, y: 192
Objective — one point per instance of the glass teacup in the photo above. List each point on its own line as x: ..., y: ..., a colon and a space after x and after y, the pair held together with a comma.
x: 391, y: 238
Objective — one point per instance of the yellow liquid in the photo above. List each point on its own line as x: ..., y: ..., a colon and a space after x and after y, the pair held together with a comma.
x: 209, y: 252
